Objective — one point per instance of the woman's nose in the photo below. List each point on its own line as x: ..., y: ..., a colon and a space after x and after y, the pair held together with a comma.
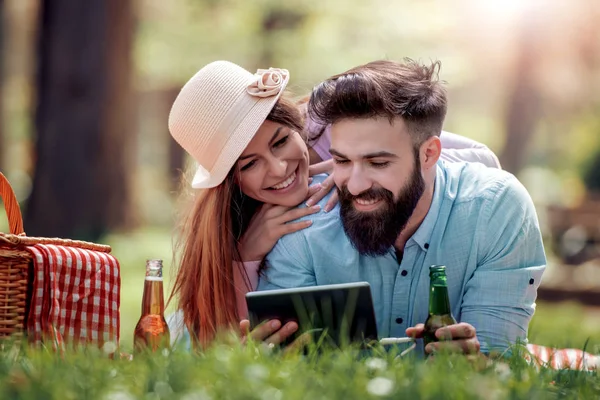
x: 277, y: 167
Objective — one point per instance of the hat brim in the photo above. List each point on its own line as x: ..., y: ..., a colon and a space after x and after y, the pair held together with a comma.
x: 237, y: 143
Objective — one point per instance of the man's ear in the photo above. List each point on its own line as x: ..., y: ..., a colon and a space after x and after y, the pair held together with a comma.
x: 430, y: 152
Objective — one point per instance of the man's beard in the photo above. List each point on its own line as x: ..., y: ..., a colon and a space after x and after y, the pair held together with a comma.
x: 372, y: 233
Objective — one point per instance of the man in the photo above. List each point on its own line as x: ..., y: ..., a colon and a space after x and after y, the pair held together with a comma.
x: 402, y: 209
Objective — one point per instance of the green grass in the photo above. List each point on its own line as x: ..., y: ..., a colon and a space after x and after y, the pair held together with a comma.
x: 236, y: 372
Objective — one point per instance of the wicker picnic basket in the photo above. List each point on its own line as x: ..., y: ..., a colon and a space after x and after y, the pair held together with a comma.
x: 16, y: 265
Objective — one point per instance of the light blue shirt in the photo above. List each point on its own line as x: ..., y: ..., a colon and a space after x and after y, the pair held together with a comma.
x: 481, y: 225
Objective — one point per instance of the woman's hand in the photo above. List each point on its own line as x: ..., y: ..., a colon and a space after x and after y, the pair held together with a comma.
x: 326, y: 186
x: 271, y: 332
x: 271, y: 223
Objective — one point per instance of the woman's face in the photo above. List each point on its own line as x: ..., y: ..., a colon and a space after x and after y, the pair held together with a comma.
x: 273, y: 168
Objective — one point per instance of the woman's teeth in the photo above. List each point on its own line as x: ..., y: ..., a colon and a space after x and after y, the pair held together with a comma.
x: 285, y: 183
x: 366, y: 202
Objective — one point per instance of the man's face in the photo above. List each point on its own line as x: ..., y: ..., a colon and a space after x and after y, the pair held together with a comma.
x: 379, y: 180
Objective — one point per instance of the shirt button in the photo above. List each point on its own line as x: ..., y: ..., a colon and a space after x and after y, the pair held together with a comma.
x: 426, y: 245
x: 399, y: 320
x: 531, y: 281
x: 404, y: 272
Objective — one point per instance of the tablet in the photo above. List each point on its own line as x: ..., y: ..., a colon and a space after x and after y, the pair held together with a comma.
x: 337, y: 314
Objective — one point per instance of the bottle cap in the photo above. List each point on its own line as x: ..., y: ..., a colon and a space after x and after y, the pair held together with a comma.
x: 437, y: 269
x: 154, y: 268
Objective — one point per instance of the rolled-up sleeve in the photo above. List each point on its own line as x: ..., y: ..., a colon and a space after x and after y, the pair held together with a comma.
x: 499, y: 299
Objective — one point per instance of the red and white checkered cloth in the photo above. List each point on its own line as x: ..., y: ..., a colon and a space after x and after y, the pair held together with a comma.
x: 76, y: 296
x: 563, y: 358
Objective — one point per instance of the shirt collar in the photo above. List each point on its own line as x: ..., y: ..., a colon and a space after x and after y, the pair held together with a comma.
x: 425, y: 230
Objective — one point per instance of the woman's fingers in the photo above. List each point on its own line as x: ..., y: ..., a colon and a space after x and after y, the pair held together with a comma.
x: 264, y: 330
x: 326, y: 186
x: 294, y: 226
x: 271, y: 332
x: 333, y: 200
x: 282, y: 334
x: 312, y: 190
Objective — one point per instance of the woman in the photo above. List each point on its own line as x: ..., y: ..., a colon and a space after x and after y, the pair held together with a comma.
x: 221, y: 113
x: 253, y: 169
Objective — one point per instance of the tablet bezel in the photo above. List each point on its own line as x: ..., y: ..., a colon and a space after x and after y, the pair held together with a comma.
x: 279, y: 304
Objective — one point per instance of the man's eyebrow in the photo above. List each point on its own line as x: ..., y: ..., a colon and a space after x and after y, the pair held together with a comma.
x: 336, y: 153
x: 377, y: 154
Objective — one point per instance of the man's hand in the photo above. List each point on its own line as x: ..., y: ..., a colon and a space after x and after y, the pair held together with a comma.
x: 460, y: 338
x: 269, y: 332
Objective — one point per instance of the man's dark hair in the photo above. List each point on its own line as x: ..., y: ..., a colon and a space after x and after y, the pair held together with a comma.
x: 409, y: 90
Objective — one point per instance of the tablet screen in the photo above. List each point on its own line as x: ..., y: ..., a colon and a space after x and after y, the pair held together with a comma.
x: 335, y: 314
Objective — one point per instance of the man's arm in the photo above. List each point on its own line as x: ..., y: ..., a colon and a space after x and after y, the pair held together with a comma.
x: 499, y: 299
x: 289, y: 264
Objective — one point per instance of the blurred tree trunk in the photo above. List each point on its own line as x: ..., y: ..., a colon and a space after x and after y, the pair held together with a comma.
x: 523, y: 108
x: 84, y: 120
x: 176, y: 162
x: 275, y: 20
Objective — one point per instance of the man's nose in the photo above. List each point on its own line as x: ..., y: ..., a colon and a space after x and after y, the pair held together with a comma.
x: 358, y: 182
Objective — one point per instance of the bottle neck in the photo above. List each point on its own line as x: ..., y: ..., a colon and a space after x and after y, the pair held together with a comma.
x: 153, y: 302
x: 439, y: 300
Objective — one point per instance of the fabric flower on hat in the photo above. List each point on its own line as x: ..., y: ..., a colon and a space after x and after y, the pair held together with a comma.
x: 268, y: 82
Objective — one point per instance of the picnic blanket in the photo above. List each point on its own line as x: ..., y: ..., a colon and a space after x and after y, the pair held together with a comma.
x: 75, y: 297
x: 562, y: 358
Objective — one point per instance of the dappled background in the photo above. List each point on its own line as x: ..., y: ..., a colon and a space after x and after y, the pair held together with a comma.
x: 87, y: 87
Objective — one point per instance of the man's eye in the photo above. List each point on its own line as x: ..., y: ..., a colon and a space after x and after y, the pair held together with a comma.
x: 338, y: 161
x: 247, y: 166
x: 281, y: 142
x: 382, y: 164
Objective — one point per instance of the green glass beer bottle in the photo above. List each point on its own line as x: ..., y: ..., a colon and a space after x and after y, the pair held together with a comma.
x: 440, y: 314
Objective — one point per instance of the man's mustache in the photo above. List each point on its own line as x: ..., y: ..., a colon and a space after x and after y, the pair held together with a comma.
x: 367, y: 195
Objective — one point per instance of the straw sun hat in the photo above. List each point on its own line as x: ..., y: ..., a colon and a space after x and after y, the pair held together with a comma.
x: 218, y: 112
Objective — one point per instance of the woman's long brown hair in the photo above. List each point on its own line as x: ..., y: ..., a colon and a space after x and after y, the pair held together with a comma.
x: 207, y: 247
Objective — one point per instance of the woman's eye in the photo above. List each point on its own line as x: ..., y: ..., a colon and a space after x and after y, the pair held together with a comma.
x: 247, y: 166
x: 338, y: 161
x: 281, y: 141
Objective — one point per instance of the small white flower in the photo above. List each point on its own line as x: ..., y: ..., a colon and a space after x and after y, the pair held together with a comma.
x: 272, y: 394
x: 283, y: 374
x: 109, y: 347
x: 112, y: 373
x: 118, y: 395
x: 378, y: 364
x: 380, y: 386
x: 256, y: 372
x: 166, y: 352
x: 223, y: 354
x: 163, y: 389
x: 198, y: 395
x: 503, y: 371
